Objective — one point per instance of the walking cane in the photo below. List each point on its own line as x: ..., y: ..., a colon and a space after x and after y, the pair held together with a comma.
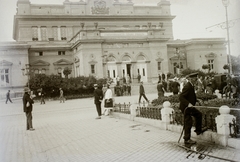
x: 183, y: 125
x: 184, y: 122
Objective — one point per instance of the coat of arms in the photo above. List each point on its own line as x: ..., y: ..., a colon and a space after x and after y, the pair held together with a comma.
x: 100, y: 7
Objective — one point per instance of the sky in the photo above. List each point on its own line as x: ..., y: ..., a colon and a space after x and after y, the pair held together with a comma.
x: 192, y: 18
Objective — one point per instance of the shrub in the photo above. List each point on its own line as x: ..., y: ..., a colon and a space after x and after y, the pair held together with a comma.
x: 205, y: 96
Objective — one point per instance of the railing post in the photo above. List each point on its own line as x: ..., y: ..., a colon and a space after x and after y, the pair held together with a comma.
x: 133, y: 110
x: 223, y: 120
x: 165, y: 112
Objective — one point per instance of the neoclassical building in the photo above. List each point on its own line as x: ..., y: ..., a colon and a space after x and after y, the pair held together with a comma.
x: 101, y: 38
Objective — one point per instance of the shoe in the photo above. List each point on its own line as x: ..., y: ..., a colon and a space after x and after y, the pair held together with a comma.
x: 202, y: 131
x: 98, y: 117
x: 31, y: 129
x: 189, y: 141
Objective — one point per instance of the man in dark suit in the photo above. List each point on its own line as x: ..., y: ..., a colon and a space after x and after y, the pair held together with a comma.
x: 98, y: 96
x: 142, y: 93
x: 188, y: 100
x: 27, y: 108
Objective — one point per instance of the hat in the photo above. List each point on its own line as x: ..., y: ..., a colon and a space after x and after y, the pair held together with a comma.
x: 192, y: 75
x: 26, y: 89
x: 95, y: 85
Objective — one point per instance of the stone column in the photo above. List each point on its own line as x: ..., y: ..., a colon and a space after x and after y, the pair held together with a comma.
x: 166, y: 112
x: 133, y: 110
x: 223, y: 120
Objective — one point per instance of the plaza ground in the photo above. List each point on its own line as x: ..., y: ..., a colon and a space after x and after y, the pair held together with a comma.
x: 69, y: 132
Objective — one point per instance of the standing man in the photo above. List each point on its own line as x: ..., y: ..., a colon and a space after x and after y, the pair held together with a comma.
x: 8, y: 97
x: 142, y: 92
x: 188, y: 100
x: 42, y: 94
x: 160, y: 89
x: 118, y: 80
x: 175, y: 87
x: 61, y: 98
x: 139, y: 78
x: 98, y: 96
x: 27, y: 108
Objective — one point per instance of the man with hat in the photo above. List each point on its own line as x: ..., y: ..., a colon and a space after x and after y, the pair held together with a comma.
x: 188, y: 100
x: 98, y: 96
x: 27, y: 108
x: 142, y: 93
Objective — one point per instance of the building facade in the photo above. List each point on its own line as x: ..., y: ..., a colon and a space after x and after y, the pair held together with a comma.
x: 103, y: 38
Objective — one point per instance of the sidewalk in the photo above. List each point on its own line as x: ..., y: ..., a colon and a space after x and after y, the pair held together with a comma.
x: 69, y: 132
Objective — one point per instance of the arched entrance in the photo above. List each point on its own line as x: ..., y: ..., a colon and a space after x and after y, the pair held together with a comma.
x: 141, y: 67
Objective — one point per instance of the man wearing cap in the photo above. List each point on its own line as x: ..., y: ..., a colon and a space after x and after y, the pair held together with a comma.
x: 27, y: 108
x: 188, y: 100
x: 98, y: 96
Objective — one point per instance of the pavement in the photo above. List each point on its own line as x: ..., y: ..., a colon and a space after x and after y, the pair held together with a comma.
x: 69, y: 132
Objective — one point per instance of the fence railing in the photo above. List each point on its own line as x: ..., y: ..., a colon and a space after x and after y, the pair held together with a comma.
x: 122, y: 108
x: 209, y: 115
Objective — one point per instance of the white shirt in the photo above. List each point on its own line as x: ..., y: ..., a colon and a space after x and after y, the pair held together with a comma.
x: 108, y: 94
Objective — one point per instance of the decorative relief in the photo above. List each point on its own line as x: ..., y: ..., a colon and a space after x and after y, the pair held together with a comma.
x: 100, y: 7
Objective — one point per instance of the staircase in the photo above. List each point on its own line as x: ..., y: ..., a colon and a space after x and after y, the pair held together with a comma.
x: 149, y: 88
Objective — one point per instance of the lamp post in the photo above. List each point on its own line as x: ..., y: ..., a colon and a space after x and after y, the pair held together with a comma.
x: 179, y: 59
x: 26, y: 71
x: 225, y: 4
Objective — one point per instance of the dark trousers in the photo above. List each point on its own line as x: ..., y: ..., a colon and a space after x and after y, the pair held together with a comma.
x: 29, y: 120
x: 8, y: 98
x: 188, y: 122
x: 141, y: 97
x: 99, y: 109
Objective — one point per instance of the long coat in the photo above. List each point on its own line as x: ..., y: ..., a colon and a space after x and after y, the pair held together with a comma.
x: 26, y: 99
x: 98, y: 95
x: 187, y: 96
x: 141, y: 89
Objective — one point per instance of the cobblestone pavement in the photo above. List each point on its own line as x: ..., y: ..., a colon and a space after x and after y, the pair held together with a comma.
x: 69, y: 132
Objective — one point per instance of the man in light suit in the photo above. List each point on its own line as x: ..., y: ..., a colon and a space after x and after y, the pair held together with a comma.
x: 188, y: 100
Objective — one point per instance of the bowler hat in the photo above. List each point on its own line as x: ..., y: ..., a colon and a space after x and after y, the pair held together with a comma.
x: 192, y: 75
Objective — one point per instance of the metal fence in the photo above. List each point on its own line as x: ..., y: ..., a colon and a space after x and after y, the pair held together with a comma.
x: 208, y: 116
x: 122, y: 108
x: 152, y: 112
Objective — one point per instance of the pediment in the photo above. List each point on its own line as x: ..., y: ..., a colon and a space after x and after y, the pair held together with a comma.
x: 40, y: 63
x: 159, y: 59
x: 210, y: 55
x: 92, y: 62
x: 5, y: 63
x: 63, y: 62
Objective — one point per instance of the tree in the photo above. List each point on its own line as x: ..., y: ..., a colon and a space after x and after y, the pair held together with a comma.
x: 66, y: 72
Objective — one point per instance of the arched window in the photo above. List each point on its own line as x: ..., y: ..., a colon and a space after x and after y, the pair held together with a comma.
x: 126, y: 58
x: 141, y: 58
x: 111, y: 59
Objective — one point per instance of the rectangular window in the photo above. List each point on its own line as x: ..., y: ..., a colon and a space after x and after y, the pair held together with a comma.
x: 55, y: 32
x: 61, y: 52
x: 34, y: 33
x: 93, y: 69
x: 143, y: 72
x: 159, y: 65
x: 113, y: 73
x: 5, y: 77
x: 210, y: 63
x: 63, y: 33
x: 40, y: 53
x: 44, y: 33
